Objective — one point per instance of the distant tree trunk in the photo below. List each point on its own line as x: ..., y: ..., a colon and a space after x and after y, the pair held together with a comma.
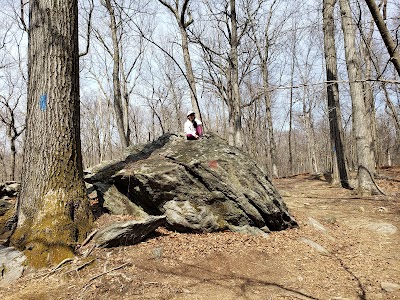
x: 392, y: 110
x: 291, y: 104
x: 390, y: 44
x: 177, y: 101
x: 368, y: 94
x: 4, y: 175
x: 183, y: 25
x: 13, y: 158
x: 189, y: 69
x: 291, y: 132
x: 235, y: 114
x: 125, y: 105
x: 307, y: 120
x: 12, y: 132
x: 53, y: 211
x: 339, y: 168
x: 362, y: 133
x: 123, y: 131
x: 271, y: 137
x: 263, y: 54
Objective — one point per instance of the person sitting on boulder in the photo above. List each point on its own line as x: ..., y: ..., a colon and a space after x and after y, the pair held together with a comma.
x: 193, y: 127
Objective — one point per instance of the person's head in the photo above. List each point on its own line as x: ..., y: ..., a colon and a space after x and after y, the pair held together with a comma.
x: 191, y: 115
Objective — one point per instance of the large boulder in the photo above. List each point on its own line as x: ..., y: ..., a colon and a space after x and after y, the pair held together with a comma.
x: 200, y: 186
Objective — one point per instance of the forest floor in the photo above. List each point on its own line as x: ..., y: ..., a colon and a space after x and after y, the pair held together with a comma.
x: 346, y: 247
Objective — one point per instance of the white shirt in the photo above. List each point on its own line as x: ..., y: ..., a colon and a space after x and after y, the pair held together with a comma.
x: 189, y: 128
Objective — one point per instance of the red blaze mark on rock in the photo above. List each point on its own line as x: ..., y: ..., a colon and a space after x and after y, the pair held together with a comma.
x: 213, y: 164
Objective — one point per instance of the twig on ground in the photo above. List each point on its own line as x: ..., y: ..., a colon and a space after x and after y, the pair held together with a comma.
x: 81, y: 266
x: 104, y: 273
x: 89, y: 238
x: 89, y: 251
x: 57, y: 267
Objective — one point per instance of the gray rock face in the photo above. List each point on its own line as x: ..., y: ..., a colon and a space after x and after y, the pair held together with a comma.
x: 127, y: 233
x: 9, y: 189
x: 201, y: 186
x: 4, y: 206
x: 117, y: 203
x: 11, y: 265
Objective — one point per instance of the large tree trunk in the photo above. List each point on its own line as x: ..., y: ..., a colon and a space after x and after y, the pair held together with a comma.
x: 53, y: 211
x: 339, y: 168
x: 364, y: 152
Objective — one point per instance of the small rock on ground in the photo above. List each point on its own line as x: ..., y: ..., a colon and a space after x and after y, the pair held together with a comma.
x: 389, y: 286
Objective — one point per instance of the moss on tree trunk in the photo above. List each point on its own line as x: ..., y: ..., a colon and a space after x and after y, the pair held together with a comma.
x: 63, y: 220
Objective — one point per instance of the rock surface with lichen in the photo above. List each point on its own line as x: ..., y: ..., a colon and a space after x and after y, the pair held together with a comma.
x: 200, y: 186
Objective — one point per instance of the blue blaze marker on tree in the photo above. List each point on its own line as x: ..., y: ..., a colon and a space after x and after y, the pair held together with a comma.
x: 43, y: 102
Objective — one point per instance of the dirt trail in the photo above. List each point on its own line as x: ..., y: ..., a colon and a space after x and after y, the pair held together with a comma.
x: 345, y: 248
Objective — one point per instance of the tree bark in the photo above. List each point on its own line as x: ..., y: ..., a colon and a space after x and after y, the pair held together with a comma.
x: 235, y: 114
x: 368, y: 95
x: 189, y: 72
x: 123, y: 131
x: 387, y: 39
x: 307, y: 121
x: 339, y: 168
x: 52, y: 210
x: 271, y: 136
x: 364, y: 153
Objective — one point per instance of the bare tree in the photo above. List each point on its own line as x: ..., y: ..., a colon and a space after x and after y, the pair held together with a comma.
x: 364, y: 152
x: 52, y: 210
x: 221, y: 56
x: 184, y: 19
x: 292, y: 70
x: 120, y: 109
x: 88, y: 19
x: 12, y: 89
x: 390, y: 44
x: 339, y: 169
x: 263, y: 50
x: 9, y: 118
x: 235, y: 115
x: 308, y: 103
x: 366, y: 69
x: 371, y: 59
